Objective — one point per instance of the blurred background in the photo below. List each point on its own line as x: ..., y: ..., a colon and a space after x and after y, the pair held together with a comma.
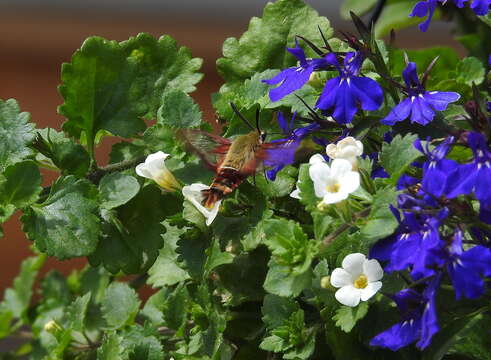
x: 38, y: 36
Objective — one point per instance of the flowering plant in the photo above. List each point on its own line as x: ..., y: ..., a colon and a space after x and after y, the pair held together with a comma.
x: 368, y: 237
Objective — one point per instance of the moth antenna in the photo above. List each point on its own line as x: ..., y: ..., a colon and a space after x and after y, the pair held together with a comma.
x: 237, y: 112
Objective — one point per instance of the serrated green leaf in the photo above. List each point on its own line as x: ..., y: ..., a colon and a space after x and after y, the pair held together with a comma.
x: 68, y: 156
x: 474, y: 342
x: 135, y: 248
x: 111, y: 348
x: 396, y: 157
x: 76, y: 312
x: 276, y: 310
x: 470, y: 71
x: 111, y: 86
x: 120, y: 305
x: 346, y: 317
x: 142, y: 343
x: 179, y: 110
x: 262, y: 46
x: 22, y: 184
x: 174, y: 312
x: 117, y: 189
x: 17, y: 298
x: 281, y: 281
x: 306, y: 187
x: 358, y: 7
x: 216, y: 257
x: 282, y: 186
x: 65, y: 225
x: 16, y: 133
x: 166, y: 270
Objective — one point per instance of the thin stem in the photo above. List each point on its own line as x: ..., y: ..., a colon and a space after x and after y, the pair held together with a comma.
x: 330, y: 238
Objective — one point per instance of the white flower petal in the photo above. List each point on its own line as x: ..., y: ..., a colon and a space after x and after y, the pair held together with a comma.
x: 340, y: 278
x: 319, y: 173
x: 348, y: 295
x: 331, y: 151
x: 340, y: 167
x: 335, y: 197
x: 158, y: 156
x: 193, y: 193
x: 353, y: 263
x: 373, y: 270
x: 350, y: 182
x: 295, y: 194
x: 141, y: 170
x: 370, y: 290
x: 317, y: 158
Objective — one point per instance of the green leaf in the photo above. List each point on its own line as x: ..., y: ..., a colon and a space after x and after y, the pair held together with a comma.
x: 65, y: 225
x: 395, y: 16
x: 166, y: 270
x: 174, y: 312
x: 68, y: 156
x: 473, y: 342
x: 141, y: 343
x: 358, y: 7
x: 120, y: 305
x: 282, y: 186
x: 76, y: 312
x: 22, y: 184
x: 18, y: 298
x: 216, y: 258
x: 281, y: 281
x: 179, y: 110
x: 16, y: 133
x: 470, y: 71
x: 134, y: 247
x: 398, y: 155
x: 112, y: 348
x: 262, y: 46
x: 306, y: 187
x: 276, y: 310
x: 117, y: 189
x: 346, y: 317
x: 111, y: 86
x: 380, y: 223
x: 289, y: 245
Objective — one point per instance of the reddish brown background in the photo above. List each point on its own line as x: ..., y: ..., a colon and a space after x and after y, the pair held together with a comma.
x: 34, y: 44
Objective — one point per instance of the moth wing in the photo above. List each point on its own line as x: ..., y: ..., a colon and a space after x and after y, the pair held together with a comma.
x: 210, y: 148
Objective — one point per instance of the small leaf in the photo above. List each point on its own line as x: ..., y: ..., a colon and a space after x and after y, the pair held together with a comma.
x: 396, y: 157
x: 120, y: 305
x: 16, y: 133
x: 179, y: 110
x: 112, y: 348
x: 281, y: 281
x: 22, y: 184
x: 65, y: 225
x: 76, y: 312
x: 117, y: 189
x: 346, y: 317
x: 276, y: 310
x: 215, y: 257
x: 166, y: 270
x: 470, y: 71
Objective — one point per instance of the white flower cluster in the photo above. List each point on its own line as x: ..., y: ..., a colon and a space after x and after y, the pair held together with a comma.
x: 335, y: 181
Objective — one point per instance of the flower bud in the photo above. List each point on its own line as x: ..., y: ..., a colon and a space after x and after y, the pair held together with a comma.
x: 348, y: 148
x: 53, y: 327
x: 326, y: 283
x: 154, y: 168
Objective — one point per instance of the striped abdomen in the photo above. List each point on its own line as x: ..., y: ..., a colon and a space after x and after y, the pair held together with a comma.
x: 226, y: 181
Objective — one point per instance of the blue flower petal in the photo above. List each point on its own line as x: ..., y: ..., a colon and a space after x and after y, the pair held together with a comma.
x: 439, y: 100
x: 327, y: 100
x: 368, y: 92
x: 345, y: 108
x: 290, y: 79
x: 421, y: 113
x: 399, y: 335
x: 398, y: 113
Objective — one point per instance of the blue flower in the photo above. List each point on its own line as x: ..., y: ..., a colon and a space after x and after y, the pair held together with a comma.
x: 419, y: 320
x: 294, y: 78
x: 438, y: 172
x: 420, y: 105
x: 284, y: 154
x: 480, y: 7
x: 467, y: 268
x: 423, y: 8
x: 342, y: 94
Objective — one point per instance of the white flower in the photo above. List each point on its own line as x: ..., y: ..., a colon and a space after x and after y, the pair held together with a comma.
x: 357, y: 280
x: 154, y: 168
x: 333, y: 183
x: 296, y: 193
x: 348, y: 148
x: 194, y: 194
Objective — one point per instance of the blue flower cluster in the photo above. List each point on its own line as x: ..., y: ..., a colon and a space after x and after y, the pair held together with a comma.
x: 429, y: 244
x: 427, y: 8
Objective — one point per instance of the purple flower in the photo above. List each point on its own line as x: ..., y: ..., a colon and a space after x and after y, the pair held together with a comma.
x: 294, y: 78
x: 467, y: 268
x: 419, y: 320
x: 279, y: 157
x: 342, y: 94
x: 480, y: 7
x: 420, y: 105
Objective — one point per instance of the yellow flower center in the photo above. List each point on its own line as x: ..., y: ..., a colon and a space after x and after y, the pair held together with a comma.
x: 361, y: 282
x: 333, y: 188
